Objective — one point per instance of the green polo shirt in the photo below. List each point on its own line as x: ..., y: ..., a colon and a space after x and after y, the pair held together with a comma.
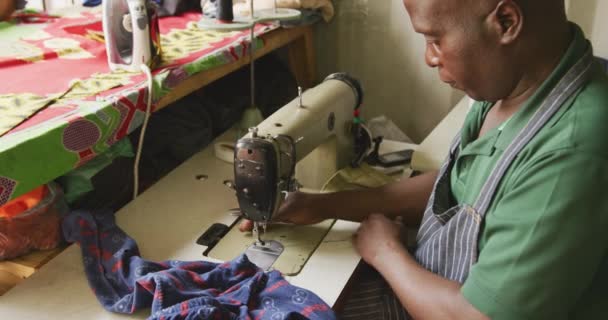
x: 544, y: 243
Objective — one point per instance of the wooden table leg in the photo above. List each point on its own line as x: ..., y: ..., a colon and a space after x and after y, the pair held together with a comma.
x: 7, y: 281
x: 302, y: 62
x: 297, y: 40
x: 14, y: 271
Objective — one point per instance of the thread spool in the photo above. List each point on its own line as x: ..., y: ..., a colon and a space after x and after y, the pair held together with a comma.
x: 224, y: 11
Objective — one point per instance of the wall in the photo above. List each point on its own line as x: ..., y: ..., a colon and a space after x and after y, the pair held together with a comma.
x: 374, y: 41
x: 591, y: 16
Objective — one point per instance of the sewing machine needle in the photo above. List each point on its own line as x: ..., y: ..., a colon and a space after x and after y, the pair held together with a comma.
x: 257, y: 233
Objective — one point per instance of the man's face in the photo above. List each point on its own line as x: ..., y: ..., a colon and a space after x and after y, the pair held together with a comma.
x: 458, y: 48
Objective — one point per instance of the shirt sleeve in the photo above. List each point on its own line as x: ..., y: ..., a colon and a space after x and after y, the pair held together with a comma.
x: 544, y: 238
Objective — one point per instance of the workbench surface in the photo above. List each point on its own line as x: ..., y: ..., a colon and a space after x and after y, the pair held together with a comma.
x: 166, y: 221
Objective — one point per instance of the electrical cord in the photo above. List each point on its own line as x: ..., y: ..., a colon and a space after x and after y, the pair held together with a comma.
x: 140, y: 144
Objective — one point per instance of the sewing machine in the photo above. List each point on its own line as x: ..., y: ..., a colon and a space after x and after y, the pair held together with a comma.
x: 302, y: 144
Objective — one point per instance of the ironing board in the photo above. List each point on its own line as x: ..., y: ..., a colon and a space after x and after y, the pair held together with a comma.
x: 62, y: 106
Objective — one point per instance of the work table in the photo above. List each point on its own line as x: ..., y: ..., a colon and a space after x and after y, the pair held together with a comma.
x: 182, y: 207
x: 166, y: 221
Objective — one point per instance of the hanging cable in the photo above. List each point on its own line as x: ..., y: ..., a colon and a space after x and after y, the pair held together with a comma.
x: 140, y: 144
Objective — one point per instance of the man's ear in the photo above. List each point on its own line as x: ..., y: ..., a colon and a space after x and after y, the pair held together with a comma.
x: 507, y: 21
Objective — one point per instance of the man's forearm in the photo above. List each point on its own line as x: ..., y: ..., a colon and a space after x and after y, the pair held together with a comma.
x: 424, y: 294
x: 406, y: 198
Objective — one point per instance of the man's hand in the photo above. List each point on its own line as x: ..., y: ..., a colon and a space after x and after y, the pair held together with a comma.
x: 377, y: 236
x: 406, y: 198
x: 297, y: 209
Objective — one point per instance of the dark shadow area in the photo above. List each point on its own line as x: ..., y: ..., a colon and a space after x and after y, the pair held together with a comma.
x: 186, y: 127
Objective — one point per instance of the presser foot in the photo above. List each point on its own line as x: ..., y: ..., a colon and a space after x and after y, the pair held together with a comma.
x: 264, y: 255
x: 257, y: 233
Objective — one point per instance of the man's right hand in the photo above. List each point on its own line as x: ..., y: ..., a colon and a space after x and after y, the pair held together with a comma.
x: 407, y: 198
x: 298, y: 208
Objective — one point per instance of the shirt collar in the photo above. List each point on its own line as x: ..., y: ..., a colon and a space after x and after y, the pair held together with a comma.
x: 576, y: 50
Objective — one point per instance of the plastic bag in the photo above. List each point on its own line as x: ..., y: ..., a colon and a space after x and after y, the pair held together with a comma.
x: 31, y: 222
x: 383, y: 126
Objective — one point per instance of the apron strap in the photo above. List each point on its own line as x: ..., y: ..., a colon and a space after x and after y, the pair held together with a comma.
x: 576, y: 77
x: 449, y: 160
x: 455, y: 144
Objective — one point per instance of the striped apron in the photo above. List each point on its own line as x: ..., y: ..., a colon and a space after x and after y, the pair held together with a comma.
x: 448, y: 236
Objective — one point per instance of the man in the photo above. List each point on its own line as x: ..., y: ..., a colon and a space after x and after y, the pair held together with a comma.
x: 515, y: 226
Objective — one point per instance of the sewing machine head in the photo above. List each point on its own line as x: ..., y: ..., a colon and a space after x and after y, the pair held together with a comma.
x: 319, y: 131
x: 264, y: 171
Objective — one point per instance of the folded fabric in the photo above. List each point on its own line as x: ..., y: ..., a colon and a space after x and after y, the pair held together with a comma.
x: 124, y: 282
x: 307, y: 17
x: 325, y: 6
x: 362, y: 177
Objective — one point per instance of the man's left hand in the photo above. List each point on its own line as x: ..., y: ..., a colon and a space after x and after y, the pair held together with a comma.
x: 377, y: 236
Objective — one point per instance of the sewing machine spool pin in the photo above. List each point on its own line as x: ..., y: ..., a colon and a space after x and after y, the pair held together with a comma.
x: 300, y: 97
x: 254, y: 132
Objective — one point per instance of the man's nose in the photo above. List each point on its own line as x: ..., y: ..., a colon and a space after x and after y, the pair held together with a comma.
x: 431, y: 57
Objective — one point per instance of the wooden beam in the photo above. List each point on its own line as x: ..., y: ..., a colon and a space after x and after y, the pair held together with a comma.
x: 14, y: 271
x: 302, y: 60
x: 272, y: 41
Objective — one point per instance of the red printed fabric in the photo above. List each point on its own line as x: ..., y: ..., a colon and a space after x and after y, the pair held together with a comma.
x: 60, y: 103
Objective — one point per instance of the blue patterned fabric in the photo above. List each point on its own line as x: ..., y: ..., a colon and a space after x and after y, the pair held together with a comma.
x: 124, y: 282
